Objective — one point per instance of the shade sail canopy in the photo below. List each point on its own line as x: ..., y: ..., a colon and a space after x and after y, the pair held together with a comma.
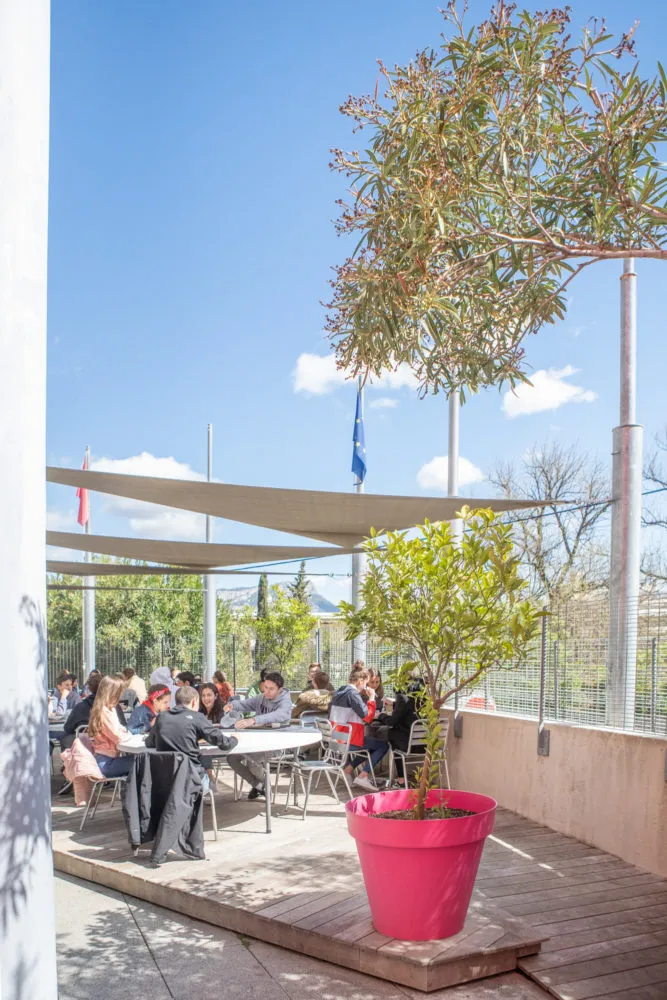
x: 84, y: 569
x: 341, y: 518
x: 203, y: 554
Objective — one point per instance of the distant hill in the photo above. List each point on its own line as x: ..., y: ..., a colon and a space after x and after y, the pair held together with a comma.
x: 242, y: 597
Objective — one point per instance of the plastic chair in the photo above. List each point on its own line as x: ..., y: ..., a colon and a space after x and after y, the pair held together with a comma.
x: 336, y: 753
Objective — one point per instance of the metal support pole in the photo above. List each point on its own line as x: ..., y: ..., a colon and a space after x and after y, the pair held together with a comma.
x: 27, y: 928
x: 556, y: 667
x: 210, y: 591
x: 88, y: 603
x: 234, y: 662
x: 456, y: 526
x: 318, y: 644
x: 542, y: 733
x: 654, y: 681
x: 358, y: 650
x: 625, y: 523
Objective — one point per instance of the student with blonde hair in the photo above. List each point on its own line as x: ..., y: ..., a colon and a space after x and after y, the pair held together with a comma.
x: 105, y: 730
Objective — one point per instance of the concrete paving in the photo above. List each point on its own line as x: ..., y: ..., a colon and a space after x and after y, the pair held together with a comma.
x: 114, y: 947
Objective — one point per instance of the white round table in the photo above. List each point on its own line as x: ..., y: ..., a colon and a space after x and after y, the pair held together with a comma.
x: 250, y: 741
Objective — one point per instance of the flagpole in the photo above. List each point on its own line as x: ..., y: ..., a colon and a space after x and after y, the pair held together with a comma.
x: 358, y: 560
x: 88, y: 601
x: 210, y: 591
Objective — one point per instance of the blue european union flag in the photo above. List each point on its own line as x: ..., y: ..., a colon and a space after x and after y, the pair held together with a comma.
x: 358, y: 441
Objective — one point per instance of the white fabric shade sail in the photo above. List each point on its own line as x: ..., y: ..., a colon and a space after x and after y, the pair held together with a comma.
x: 343, y: 519
x: 193, y: 554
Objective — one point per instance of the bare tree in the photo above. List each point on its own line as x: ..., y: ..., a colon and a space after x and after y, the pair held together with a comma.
x: 654, y: 512
x: 558, y: 545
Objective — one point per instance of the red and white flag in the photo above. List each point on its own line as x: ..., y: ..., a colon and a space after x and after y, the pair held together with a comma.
x: 84, y: 503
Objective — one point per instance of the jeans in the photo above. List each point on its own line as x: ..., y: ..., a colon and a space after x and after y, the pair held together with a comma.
x: 377, y: 748
x: 113, y: 767
x: 251, y: 768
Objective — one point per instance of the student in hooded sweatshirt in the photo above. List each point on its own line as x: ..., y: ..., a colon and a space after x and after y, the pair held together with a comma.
x: 273, y: 705
x: 349, y: 709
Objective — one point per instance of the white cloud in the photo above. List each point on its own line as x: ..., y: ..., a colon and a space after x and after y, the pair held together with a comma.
x: 383, y: 403
x: 318, y: 375
x: 150, y: 520
x: 433, y: 475
x: 548, y: 392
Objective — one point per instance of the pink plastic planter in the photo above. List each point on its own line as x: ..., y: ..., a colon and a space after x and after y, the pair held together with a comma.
x: 419, y: 874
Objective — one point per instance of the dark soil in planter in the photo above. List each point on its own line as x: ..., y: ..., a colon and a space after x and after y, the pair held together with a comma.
x: 435, y: 812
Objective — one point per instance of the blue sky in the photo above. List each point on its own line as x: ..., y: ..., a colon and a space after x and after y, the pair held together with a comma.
x: 191, y: 243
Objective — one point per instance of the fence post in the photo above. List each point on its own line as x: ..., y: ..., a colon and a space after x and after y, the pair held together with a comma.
x: 542, y: 733
x: 556, y: 652
x: 486, y: 691
x: 234, y: 661
x: 318, y: 644
x: 654, y: 681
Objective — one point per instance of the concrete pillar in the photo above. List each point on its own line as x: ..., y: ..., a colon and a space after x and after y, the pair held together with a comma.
x: 27, y: 926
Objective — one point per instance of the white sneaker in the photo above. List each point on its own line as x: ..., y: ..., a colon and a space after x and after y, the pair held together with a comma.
x: 363, y: 782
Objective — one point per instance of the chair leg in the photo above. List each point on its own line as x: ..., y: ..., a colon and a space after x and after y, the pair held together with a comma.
x: 88, y: 805
x: 211, y: 799
x: 113, y: 796
x: 332, y: 787
x: 99, y: 788
x: 347, y: 782
x: 305, y: 801
x: 289, y: 788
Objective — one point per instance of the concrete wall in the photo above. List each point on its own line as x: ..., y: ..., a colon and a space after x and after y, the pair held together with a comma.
x: 605, y: 788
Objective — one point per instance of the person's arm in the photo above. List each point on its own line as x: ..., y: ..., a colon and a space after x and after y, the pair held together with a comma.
x: 400, y: 711
x: 246, y: 704
x: 210, y: 733
x: 151, y: 738
x: 365, y: 710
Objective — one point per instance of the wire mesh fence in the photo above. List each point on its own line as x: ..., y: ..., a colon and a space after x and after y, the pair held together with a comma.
x: 566, y: 677
x: 572, y: 680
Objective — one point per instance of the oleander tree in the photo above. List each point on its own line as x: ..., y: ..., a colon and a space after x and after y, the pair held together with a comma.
x: 492, y: 170
x: 450, y: 602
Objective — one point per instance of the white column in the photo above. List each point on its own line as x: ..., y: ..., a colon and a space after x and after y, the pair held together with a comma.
x: 626, y: 515
x: 27, y: 926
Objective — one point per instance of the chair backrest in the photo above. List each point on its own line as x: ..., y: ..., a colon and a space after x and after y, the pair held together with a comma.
x: 417, y: 738
x: 311, y: 718
x: 337, y: 743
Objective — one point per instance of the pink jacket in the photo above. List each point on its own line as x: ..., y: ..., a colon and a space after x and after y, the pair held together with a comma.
x: 106, y: 739
x: 81, y: 768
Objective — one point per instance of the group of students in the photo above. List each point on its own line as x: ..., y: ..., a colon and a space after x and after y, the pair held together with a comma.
x: 176, y: 715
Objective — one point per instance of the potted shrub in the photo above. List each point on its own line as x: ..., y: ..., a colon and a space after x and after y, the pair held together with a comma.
x: 451, y: 601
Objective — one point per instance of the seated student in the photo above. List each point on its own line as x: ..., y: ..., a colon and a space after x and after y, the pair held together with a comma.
x: 349, y: 709
x: 80, y: 714
x: 400, y: 720
x: 179, y: 729
x: 63, y: 698
x: 135, y: 683
x: 273, y: 705
x: 310, y: 684
x: 225, y: 689
x: 210, y: 703
x: 158, y: 699
x: 315, y: 699
x: 184, y: 677
x: 257, y: 688
x: 105, y: 730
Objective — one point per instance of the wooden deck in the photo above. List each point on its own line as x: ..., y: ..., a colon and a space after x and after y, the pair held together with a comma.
x: 300, y: 888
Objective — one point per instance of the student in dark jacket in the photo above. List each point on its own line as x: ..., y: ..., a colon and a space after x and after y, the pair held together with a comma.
x: 80, y: 714
x: 400, y: 721
x: 158, y: 699
x: 180, y: 729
